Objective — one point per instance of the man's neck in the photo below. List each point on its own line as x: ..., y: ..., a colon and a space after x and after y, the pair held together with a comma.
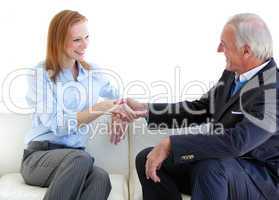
x: 249, y: 74
x: 250, y: 65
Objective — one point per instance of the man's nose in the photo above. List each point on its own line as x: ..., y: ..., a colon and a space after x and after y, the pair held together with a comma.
x: 220, y: 48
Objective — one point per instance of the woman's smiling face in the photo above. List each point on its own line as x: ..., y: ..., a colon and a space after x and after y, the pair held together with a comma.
x: 77, y: 41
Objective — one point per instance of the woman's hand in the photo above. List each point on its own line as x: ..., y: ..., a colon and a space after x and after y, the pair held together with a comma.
x: 122, y: 114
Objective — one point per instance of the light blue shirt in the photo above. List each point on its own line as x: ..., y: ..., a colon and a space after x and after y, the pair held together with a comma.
x: 56, y: 104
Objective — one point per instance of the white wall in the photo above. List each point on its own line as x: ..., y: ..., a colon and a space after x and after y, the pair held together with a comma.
x: 141, y: 40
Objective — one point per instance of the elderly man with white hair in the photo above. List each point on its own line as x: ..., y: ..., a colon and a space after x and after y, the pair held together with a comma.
x: 236, y: 159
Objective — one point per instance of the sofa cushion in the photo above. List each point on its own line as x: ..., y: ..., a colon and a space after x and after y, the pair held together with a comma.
x: 12, y: 187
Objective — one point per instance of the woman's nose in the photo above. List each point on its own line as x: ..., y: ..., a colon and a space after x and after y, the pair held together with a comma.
x: 84, y: 44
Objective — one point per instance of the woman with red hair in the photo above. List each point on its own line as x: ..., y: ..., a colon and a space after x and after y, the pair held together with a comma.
x: 64, y: 92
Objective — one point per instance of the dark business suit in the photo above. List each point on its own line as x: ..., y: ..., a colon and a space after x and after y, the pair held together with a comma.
x: 244, y: 155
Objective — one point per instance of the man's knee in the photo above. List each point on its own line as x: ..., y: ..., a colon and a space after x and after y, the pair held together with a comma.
x: 208, y: 168
x: 141, y: 157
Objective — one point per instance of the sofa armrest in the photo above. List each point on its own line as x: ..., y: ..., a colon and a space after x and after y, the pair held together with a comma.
x: 13, y: 129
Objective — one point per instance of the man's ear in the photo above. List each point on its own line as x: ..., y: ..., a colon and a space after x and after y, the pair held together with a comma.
x: 246, y: 50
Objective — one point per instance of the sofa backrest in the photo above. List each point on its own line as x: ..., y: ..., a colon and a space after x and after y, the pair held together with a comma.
x: 143, y: 137
x: 13, y: 128
x: 113, y: 158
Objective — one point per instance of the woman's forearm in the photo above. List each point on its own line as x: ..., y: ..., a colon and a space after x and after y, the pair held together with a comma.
x: 94, y: 112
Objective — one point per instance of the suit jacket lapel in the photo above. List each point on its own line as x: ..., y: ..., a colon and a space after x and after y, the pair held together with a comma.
x: 227, y: 105
x: 227, y: 89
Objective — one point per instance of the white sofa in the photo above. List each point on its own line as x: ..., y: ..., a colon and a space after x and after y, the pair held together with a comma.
x: 117, y: 160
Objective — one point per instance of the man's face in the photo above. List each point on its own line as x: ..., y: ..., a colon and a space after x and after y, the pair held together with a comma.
x: 228, y: 47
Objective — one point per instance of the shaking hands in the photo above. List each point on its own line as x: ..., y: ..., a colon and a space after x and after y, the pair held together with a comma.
x: 124, y: 112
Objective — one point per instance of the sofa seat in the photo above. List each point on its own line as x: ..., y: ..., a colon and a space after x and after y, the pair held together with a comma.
x: 12, y: 187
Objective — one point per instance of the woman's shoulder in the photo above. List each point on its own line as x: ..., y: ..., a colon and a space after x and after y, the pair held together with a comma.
x: 96, y: 70
x: 94, y: 66
x: 39, y: 65
x: 40, y: 68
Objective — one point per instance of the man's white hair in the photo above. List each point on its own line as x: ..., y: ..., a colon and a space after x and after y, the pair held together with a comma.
x: 251, y: 30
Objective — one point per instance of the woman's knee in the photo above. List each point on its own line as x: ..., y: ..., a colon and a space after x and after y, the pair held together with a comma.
x: 79, y: 158
x: 101, y: 177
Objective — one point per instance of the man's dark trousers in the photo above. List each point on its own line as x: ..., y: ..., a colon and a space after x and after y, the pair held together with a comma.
x: 211, y: 179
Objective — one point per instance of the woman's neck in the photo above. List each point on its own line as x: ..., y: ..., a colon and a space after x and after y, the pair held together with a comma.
x: 68, y: 63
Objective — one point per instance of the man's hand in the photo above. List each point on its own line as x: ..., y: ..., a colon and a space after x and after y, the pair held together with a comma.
x: 155, y: 159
